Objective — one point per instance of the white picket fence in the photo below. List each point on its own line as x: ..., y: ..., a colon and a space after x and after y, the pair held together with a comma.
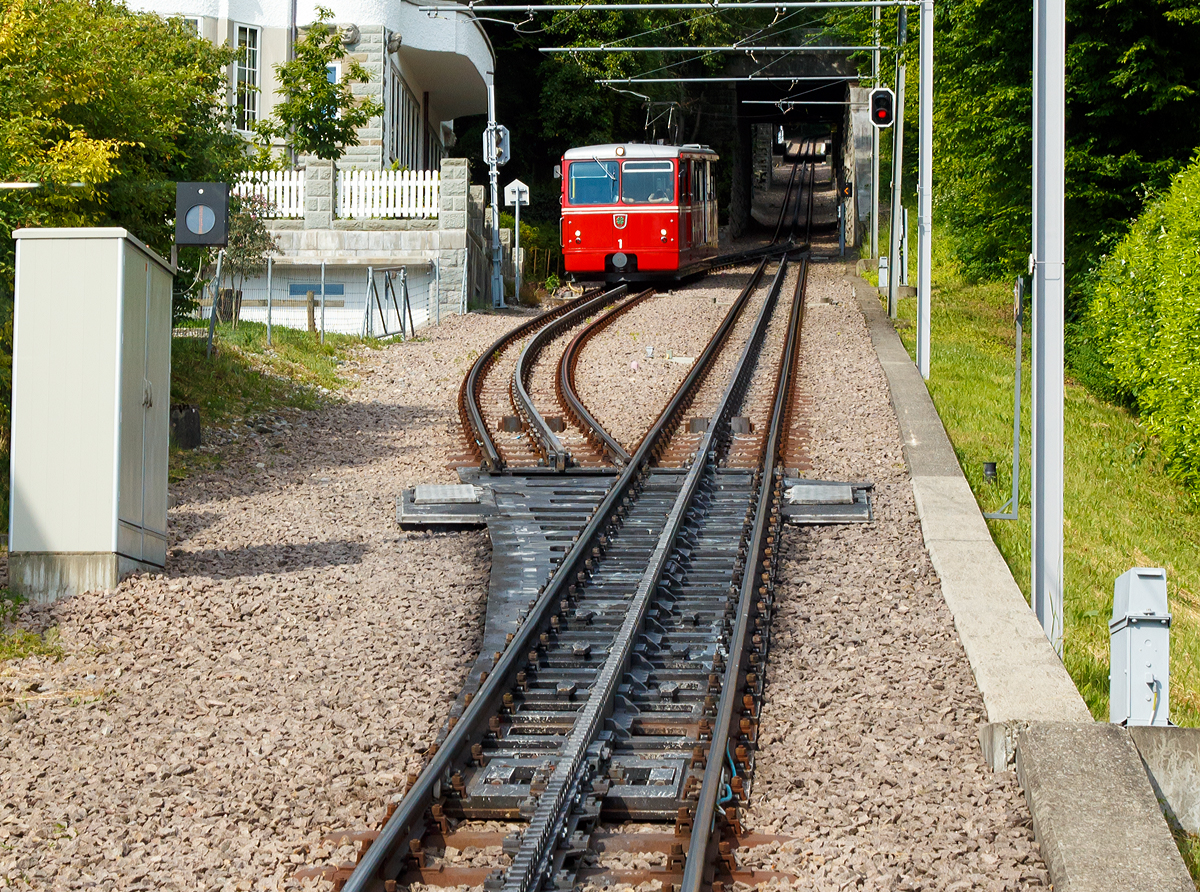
x: 282, y: 190
x: 387, y: 193
x: 360, y: 193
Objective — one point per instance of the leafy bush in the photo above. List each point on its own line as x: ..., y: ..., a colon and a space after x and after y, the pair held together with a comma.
x: 1144, y: 321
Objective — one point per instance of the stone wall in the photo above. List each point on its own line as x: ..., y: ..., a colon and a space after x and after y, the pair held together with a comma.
x: 370, y: 52
x: 454, y: 242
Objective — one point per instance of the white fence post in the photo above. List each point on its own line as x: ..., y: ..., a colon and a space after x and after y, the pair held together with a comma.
x: 388, y: 193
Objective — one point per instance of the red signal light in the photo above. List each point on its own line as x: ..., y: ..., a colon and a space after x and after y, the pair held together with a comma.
x: 883, y: 104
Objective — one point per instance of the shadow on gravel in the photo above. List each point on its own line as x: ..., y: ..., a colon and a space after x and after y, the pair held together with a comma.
x: 258, y: 560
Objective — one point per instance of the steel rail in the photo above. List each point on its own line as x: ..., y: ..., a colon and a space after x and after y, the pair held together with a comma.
x: 386, y: 856
x: 547, y: 441
x: 787, y: 196
x: 755, y: 582
x: 565, y: 382
x: 530, y: 864
x: 470, y: 414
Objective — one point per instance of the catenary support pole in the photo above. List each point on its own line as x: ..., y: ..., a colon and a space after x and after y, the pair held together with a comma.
x: 1049, y: 175
x: 875, y: 144
x: 494, y: 177
x: 925, y: 188
x: 896, y: 216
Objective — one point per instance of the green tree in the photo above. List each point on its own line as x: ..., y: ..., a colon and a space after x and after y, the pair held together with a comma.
x: 107, y: 109
x: 319, y: 115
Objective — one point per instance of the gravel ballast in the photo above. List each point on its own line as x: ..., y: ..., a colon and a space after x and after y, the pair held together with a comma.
x: 209, y: 726
x: 867, y: 751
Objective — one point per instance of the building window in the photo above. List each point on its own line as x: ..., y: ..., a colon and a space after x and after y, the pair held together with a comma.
x: 404, y: 124
x: 192, y: 24
x: 246, y: 87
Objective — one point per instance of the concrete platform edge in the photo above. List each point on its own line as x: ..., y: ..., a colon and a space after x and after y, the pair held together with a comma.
x: 1018, y: 673
x: 1096, y: 815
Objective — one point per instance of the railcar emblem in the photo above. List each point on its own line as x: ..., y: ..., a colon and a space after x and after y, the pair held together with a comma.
x: 619, y: 220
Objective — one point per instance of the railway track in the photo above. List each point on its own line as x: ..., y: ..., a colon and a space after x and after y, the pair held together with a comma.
x: 509, y: 425
x: 631, y: 689
x: 501, y: 426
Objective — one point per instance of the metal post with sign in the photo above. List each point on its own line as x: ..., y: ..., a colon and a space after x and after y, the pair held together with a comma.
x: 517, y: 193
x: 496, y: 152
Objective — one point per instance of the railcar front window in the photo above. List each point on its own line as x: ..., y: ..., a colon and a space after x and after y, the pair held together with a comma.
x: 592, y: 182
x: 647, y: 182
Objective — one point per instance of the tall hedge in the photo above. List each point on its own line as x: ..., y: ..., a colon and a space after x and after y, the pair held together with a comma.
x: 1144, y: 321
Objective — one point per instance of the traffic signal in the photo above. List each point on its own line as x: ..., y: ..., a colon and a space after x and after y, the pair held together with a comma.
x: 883, y: 107
x: 202, y: 214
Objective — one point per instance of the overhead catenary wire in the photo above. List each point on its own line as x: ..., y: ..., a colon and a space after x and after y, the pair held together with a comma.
x: 732, y: 48
x: 643, y: 7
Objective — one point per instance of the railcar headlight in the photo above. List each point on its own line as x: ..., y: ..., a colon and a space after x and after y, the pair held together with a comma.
x: 577, y: 235
x: 663, y: 232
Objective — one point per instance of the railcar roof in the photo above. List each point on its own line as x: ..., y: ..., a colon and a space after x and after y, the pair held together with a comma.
x: 635, y: 150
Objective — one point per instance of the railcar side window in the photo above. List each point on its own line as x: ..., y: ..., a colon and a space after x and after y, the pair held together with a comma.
x: 647, y: 182
x: 592, y: 182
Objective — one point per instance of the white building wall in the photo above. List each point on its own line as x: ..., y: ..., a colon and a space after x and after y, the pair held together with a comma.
x: 445, y: 61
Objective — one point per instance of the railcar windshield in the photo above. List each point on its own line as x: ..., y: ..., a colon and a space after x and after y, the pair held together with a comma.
x: 592, y: 182
x: 647, y: 182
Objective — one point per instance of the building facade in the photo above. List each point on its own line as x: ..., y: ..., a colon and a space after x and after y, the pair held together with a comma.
x: 393, y: 205
x: 425, y: 69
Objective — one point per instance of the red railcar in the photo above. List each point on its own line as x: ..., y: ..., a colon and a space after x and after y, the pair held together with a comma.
x: 636, y: 212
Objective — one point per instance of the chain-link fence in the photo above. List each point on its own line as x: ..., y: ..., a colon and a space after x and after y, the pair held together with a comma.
x: 348, y: 300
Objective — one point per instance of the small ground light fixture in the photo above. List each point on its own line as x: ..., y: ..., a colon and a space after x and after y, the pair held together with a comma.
x: 989, y: 471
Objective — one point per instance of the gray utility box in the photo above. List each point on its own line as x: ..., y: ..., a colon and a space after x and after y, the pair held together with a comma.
x: 90, y: 410
x: 1139, y: 680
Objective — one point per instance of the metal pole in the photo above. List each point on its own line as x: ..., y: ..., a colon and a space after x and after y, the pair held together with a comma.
x: 270, y: 266
x: 212, y: 313
x: 517, y: 248
x: 875, y: 147
x: 437, y: 290
x: 1011, y: 511
x: 322, y: 301
x: 367, y: 313
x: 925, y: 189
x: 897, y: 216
x: 494, y: 176
x: 1049, y: 147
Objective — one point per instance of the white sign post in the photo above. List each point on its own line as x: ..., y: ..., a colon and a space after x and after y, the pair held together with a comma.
x: 517, y: 193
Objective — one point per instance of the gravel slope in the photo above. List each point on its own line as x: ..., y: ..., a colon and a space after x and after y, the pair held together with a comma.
x: 209, y: 726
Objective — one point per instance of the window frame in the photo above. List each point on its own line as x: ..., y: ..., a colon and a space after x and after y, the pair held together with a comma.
x: 245, y: 100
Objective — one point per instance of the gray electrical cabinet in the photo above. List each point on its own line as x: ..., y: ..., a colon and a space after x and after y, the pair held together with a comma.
x: 1139, y: 680
x: 90, y: 410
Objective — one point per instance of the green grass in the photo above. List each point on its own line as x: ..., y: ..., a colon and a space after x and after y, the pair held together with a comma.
x: 18, y: 643
x: 245, y: 378
x: 1121, y: 509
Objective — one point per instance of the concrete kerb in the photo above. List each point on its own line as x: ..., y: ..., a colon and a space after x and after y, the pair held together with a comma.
x: 1018, y: 673
x: 1096, y: 815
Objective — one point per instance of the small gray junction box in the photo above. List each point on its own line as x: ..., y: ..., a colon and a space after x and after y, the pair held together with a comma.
x: 90, y: 410
x: 1140, y: 639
